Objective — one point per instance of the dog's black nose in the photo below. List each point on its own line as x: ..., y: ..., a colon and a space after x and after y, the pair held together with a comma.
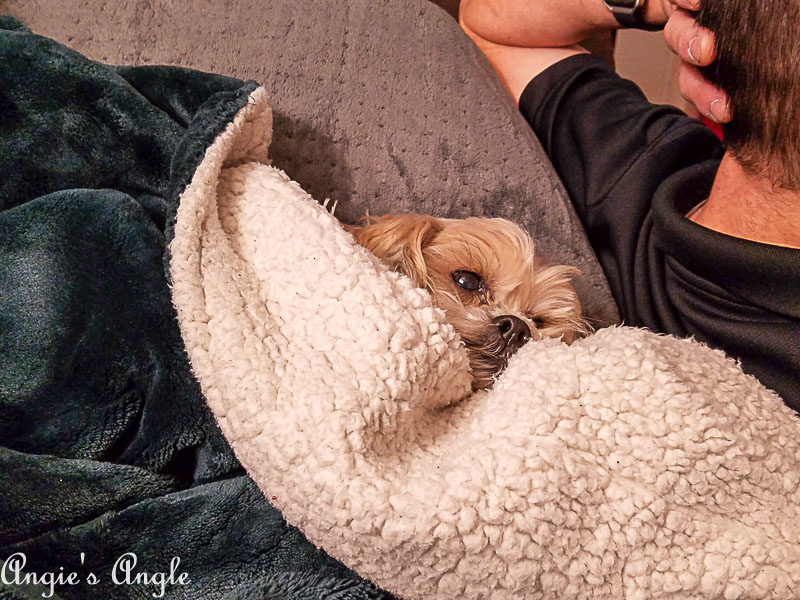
x: 513, y: 332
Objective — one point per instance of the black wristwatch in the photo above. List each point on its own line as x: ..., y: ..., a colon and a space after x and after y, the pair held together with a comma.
x: 628, y: 14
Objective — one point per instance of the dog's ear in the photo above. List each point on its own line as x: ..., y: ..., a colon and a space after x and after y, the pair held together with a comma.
x: 398, y: 240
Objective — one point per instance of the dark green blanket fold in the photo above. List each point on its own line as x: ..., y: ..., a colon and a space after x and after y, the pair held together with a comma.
x: 106, y: 444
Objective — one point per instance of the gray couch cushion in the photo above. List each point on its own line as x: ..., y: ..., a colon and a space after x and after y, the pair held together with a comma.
x: 382, y: 105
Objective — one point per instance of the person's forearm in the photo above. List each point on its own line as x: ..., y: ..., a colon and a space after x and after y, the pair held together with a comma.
x: 536, y: 23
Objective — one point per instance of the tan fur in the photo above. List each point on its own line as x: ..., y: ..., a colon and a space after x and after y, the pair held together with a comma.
x: 517, y: 281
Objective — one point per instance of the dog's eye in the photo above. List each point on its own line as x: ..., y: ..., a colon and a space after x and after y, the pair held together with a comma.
x: 467, y: 280
x: 538, y: 322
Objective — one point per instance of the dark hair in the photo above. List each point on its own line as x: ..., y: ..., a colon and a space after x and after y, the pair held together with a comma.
x: 758, y: 66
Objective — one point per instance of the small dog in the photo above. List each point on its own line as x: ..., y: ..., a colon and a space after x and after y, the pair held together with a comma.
x: 497, y: 293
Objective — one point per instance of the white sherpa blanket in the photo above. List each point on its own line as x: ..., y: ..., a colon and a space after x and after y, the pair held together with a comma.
x: 627, y: 465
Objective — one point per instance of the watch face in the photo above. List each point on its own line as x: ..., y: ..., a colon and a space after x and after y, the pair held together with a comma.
x: 622, y: 6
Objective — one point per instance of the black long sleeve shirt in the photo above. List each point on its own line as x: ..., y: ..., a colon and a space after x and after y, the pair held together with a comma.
x: 633, y: 171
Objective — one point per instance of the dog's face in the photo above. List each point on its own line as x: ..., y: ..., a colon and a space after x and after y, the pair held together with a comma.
x: 484, y: 274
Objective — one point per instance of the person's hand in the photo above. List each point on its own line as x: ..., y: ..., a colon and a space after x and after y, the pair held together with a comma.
x: 696, y: 48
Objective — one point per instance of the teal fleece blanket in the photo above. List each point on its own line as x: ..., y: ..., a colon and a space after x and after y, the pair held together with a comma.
x: 115, y: 481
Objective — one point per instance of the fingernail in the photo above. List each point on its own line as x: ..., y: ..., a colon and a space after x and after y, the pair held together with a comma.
x: 694, y: 49
x: 716, y: 110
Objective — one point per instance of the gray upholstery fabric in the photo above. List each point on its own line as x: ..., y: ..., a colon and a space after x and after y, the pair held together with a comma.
x: 382, y: 105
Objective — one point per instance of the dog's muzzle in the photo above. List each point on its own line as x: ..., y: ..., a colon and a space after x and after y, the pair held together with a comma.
x: 512, y: 334
x: 489, y: 355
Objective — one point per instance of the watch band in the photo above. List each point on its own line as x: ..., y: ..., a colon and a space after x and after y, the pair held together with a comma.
x: 627, y: 14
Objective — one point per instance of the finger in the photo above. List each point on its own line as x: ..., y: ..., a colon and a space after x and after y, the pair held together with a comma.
x: 694, y: 44
x: 665, y: 8
x: 710, y: 100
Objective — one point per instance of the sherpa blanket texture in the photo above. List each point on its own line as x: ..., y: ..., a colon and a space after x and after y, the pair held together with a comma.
x: 627, y: 465
x: 106, y: 444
